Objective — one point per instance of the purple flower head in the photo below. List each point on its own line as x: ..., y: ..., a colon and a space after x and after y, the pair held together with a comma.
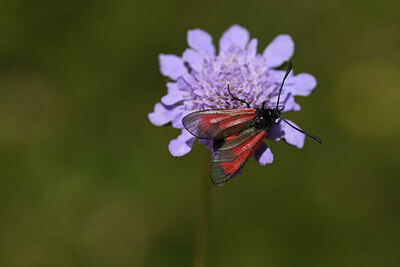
x: 200, y: 80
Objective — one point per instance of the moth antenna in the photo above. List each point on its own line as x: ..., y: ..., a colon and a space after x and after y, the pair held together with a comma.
x: 235, y: 98
x: 307, y: 134
x: 283, y: 81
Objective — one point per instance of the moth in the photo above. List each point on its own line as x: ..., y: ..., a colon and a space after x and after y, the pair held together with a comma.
x: 237, y: 133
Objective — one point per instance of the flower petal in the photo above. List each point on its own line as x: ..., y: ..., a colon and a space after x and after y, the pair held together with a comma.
x: 292, y: 136
x: 174, y: 95
x: 177, y: 121
x: 252, y: 49
x: 171, y: 66
x: 264, y: 155
x: 289, y: 102
x: 304, y: 84
x: 188, y: 79
x: 181, y: 145
x: 194, y: 59
x: 183, y: 84
x: 278, y: 75
x: 234, y: 36
x: 281, y: 49
x: 162, y: 114
x: 276, y: 133
x: 201, y: 41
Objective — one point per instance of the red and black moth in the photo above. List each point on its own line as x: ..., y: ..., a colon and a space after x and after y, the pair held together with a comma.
x: 237, y: 133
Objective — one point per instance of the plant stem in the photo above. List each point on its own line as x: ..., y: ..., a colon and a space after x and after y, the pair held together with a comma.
x: 202, y: 227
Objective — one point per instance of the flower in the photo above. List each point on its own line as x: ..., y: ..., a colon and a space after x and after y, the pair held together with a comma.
x: 200, y: 78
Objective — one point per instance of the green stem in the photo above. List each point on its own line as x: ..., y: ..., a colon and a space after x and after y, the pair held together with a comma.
x: 202, y: 227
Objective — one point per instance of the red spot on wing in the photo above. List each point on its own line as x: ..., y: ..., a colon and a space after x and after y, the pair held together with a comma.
x: 230, y: 138
x: 208, y: 119
x: 232, y: 117
x: 216, y: 119
x: 235, y: 120
x: 230, y: 167
x: 249, y: 143
x: 244, y: 150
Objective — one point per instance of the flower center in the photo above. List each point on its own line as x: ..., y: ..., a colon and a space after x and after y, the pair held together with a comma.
x: 247, y: 77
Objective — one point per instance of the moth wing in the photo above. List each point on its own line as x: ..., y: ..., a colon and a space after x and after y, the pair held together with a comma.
x: 236, y: 151
x: 218, y: 123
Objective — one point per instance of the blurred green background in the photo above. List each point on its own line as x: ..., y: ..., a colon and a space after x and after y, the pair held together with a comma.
x: 86, y: 180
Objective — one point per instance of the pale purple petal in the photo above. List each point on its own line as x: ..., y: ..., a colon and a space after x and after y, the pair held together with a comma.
x: 181, y: 145
x: 280, y: 74
x: 171, y: 66
x: 194, y: 59
x: 177, y: 121
x: 264, y: 155
x: 162, y: 114
x: 183, y: 85
x: 281, y: 49
x: 289, y: 103
x: 174, y: 95
x: 234, y: 36
x: 189, y: 79
x: 292, y: 136
x: 201, y: 41
x: 304, y: 84
x: 276, y: 133
x: 252, y: 49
